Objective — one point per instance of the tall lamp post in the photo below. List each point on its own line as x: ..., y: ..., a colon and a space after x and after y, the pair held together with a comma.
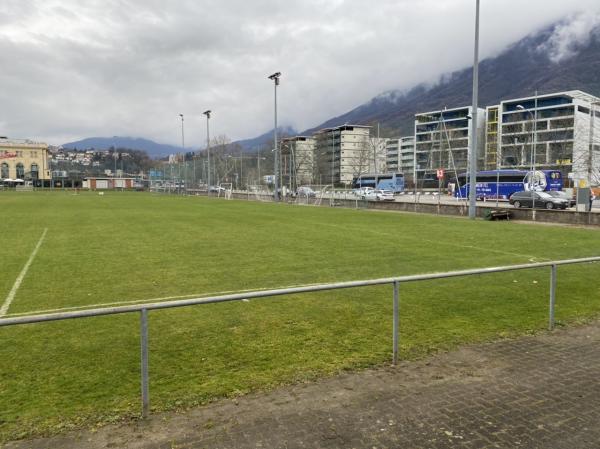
x: 473, y: 152
x: 590, y: 161
x: 207, y: 113
x: 533, y: 145
x: 275, y: 77
x: 183, y: 149
x: 333, y: 155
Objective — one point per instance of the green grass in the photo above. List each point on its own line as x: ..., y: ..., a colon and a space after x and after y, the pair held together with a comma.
x: 137, y: 246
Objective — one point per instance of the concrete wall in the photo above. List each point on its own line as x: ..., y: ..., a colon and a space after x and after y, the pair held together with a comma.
x: 541, y: 215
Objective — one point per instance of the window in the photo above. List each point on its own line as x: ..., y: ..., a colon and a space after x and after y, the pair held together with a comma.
x: 4, y: 170
x: 34, y: 171
x: 584, y: 110
x: 20, y: 171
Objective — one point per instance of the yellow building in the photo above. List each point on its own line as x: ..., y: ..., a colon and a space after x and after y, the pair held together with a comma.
x: 24, y: 160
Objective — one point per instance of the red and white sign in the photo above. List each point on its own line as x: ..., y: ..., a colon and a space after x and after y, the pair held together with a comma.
x: 7, y: 155
x: 440, y: 173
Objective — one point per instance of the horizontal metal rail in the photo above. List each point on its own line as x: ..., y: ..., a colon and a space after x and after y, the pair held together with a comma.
x: 278, y: 292
x: 395, y: 281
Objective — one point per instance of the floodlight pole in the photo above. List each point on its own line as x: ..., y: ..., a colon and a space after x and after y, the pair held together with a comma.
x: 275, y: 77
x: 333, y: 156
x: 473, y: 152
x: 183, y: 149
x: 207, y: 113
x: 590, y: 167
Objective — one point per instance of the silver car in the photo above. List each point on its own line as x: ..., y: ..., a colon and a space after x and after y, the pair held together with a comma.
x: 380, y: 195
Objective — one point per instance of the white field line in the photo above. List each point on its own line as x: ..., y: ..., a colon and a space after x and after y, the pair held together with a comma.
x: 166, y: 298
x: 17, y: 284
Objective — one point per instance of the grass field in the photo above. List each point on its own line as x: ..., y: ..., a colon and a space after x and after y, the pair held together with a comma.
x: 125, y: 247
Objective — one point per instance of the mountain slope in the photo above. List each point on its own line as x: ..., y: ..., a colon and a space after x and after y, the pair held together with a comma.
x: 103, y: 143
x: 517, y: 72
x: 265, y: 139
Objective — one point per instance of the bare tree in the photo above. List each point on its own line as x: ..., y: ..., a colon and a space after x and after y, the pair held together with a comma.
x: 359, y: 159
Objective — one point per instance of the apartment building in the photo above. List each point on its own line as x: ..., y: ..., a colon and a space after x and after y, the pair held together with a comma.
x: 298, y: 159
x: 442, y: 140
x: 347, y: 151
x: 406, y: 162
x: 563, y: 127
x: 25, y: 160
x: 400, y: 155
x: 392, y: 154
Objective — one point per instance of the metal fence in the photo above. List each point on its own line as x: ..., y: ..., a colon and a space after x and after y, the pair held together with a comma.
x: 394, y: 281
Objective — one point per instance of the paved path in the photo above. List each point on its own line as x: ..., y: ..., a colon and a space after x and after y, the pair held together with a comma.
x: 535, y: 392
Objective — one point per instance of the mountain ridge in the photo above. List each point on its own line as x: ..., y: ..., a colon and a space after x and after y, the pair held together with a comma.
x: 153, y: 149
x: 518, y: 71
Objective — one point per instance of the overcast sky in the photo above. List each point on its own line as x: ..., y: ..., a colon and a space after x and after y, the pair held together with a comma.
x: 85, y: 68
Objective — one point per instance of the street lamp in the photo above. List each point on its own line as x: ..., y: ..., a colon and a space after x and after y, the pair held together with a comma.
x: 275, y: 77
x: 207, y: 113
x: 183, y: 149
x: 333, y: 156
x: 473, y: 152
x: 533, y: 145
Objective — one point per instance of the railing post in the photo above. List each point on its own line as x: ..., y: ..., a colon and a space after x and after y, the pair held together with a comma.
x: 144, y: 354
x: 552, y: 296
x: 396, y: 321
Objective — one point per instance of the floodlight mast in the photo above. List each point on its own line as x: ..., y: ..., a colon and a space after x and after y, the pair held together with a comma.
x: 275, y: 77
x: 473, y: 152
x: 182, y: 149
x: 207, y: 113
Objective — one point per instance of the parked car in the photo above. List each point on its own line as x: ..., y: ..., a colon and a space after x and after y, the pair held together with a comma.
x: 563, y: 195
x: 380, y: 195
x: 305, y: 191
x: 363, y: 192
x: 217, y: 189
x: 526, y: 198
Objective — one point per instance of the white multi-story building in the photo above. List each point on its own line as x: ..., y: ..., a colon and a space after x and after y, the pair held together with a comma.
x: 392, y: 154
x: 443, y: 139
x: 345, y: 152
x: 564, y: 127
x: 298, y: 159
x: 406, y: 162
x: 400, y: 155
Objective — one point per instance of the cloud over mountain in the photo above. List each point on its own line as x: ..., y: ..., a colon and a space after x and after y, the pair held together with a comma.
x: 570, y: 35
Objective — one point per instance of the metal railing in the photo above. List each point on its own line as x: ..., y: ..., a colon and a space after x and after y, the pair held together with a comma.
x: 395, y: 281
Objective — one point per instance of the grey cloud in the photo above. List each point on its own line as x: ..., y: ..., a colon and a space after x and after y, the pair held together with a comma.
x: 571, y: 34
x: 128, y: 67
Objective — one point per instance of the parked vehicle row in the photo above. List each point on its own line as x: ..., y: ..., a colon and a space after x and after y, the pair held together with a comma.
x: 541, y: 199
x: 371, y: 194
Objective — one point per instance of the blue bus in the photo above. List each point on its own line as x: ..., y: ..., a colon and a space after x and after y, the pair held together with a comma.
x: 384, y: 181
x: 501, y: 184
